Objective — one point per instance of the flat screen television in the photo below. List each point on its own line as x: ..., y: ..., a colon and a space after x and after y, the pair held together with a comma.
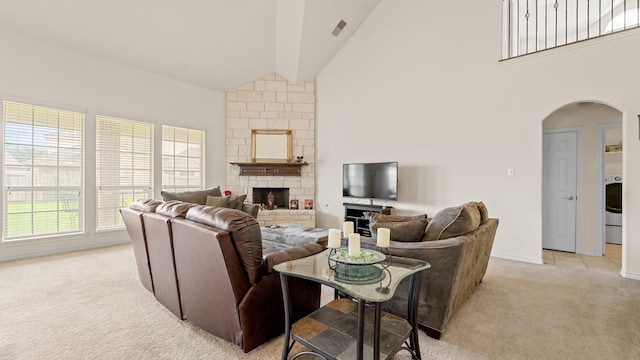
x: 370, y: 180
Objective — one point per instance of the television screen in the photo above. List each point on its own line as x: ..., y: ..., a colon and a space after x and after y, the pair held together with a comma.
x: 370, y: 180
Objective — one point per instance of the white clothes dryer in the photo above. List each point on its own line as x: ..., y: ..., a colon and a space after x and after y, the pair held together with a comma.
x: 613, y: 209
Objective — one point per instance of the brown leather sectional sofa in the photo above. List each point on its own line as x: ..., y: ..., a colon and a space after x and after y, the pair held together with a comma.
x: 206, y: 265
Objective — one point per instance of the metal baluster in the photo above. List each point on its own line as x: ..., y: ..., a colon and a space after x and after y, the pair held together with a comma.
x: 566, y: 22
x: 588, y: 19
x: 599, y: 17
x: 536, y: 25
x: 526, y: 41
x: 556, y: 5
x: 546, y: 27
x: 578, y: 18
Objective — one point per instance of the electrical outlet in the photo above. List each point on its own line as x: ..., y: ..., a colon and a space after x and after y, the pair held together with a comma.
x: 511, y: 172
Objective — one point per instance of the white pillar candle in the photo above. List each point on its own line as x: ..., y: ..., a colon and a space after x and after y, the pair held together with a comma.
x: 334, y: 238
x: 354, y: 245
x: 347, y: 228
x: 384, y: 235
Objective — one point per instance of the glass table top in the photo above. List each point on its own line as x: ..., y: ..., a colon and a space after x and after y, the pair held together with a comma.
x: 371, y: 282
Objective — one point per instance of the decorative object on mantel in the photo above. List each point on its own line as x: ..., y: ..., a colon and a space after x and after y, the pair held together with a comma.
x: 269, y: 169
x: 298, y: 159
x: 293, y: 204
x: 271, y: 201
x: 308, y: 204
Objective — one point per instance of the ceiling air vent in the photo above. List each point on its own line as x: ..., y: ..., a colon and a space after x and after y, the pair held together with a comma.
x: 339, y: 28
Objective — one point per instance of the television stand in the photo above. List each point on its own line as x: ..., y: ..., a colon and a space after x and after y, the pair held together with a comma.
x: 357, y: 213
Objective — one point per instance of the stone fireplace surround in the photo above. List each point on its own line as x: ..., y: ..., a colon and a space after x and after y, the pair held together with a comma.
x: 273, y: 103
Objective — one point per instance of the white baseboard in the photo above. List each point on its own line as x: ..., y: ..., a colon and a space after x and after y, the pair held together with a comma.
x: 59, y: 251
x: 517, y: 258
x: 628, y: 275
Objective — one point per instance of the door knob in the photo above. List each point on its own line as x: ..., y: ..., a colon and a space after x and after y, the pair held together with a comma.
x: 569, y: 198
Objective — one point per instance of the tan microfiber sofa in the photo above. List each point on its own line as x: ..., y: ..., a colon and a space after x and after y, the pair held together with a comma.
x: 206, y: 265
x: 457, y: 243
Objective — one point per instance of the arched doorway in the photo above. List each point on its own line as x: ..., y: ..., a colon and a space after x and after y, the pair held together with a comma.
x: 589, y: 122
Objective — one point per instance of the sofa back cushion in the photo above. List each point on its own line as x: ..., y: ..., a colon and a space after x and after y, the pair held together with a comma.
x: 244, y: 230
x: 406, y: 231
x: 196, y: 197
x: 148, y: 205
x: 174, y: 209
x: 455, y: 221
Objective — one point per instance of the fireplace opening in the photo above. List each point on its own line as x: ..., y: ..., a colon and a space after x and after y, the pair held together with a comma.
x: 280, y: 197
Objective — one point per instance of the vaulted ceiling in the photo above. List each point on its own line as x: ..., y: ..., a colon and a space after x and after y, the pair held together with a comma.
x: 217, y: 44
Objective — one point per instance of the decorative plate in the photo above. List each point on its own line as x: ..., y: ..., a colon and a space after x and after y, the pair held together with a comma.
x: 367, y: 257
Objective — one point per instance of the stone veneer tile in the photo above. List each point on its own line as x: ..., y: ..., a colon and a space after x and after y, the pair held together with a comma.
x: 271, y: 102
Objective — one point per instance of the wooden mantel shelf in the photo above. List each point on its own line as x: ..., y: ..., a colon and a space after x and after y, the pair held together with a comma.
x: 270, y: 169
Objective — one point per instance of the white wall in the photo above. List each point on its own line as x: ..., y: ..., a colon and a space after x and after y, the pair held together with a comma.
x: 421, y: 83
x: 34, y: 72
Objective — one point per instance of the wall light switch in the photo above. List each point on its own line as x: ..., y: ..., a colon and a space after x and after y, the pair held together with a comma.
x: 511, y: 172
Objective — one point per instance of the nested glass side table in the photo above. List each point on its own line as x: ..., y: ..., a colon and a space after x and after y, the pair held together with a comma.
x: 342, y: 329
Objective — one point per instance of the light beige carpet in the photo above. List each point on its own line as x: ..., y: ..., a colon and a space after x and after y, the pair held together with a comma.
x: 91, y: 305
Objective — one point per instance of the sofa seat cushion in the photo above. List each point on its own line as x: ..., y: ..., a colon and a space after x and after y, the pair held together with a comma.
x: 455, y: 221
x: 196, y: 197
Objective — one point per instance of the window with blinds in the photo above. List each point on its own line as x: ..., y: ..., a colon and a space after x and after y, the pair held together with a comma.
x: 182, y: 159
x: 43, y: 171
x: 124, y: 167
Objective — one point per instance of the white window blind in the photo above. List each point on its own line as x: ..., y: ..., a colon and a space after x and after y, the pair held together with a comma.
x: 43, y: 171
x: 124, y: 167
x: 182, y: 159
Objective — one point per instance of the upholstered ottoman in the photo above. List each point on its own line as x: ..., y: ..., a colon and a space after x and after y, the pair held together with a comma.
x: 284, y: 236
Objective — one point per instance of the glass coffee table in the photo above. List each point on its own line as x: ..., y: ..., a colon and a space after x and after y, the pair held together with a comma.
x: 354, y: 327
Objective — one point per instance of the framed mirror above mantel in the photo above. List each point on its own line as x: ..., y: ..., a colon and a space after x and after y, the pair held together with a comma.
x: 271, y: 146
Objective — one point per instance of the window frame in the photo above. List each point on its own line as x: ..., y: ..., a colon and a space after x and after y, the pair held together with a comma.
x: 201, y: 169
x: 131, y: 191
x: 60, y: 204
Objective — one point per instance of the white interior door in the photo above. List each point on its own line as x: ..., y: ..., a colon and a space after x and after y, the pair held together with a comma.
x: 559, y: 190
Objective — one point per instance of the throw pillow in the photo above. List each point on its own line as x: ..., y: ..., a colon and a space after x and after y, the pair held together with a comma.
x: 454, y: 221
x: 235, y: 202
x: 405, y: 231
x: 377, y: 217
x: 217, y: 201
x: 196, y: 197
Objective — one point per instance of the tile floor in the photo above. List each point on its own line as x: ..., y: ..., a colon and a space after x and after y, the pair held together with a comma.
x: 610, y: 262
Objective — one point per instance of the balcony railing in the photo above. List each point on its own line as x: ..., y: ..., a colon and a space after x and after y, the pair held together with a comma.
x: 531, y: 26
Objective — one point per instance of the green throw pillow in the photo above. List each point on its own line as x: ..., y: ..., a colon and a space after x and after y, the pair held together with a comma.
x: 235, y: 202
x: 218, y: 201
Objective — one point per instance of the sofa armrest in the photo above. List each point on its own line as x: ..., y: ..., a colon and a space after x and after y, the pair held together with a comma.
x: 293, y: 253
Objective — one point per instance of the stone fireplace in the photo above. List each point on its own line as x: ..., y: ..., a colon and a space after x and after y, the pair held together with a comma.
x: 273, y: 103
